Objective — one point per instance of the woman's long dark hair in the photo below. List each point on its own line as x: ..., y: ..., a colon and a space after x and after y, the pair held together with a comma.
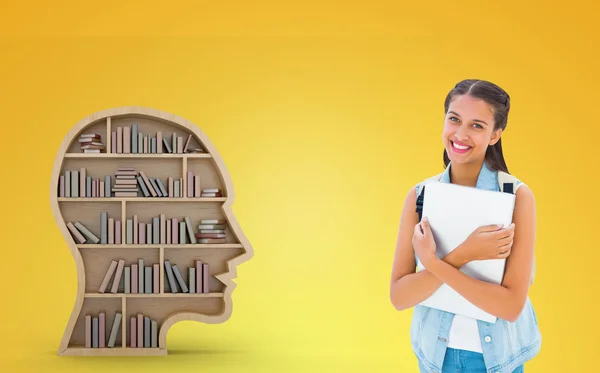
x: 499, y: 100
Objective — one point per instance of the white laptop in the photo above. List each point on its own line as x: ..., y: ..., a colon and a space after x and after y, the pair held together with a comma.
x: 454, y: 212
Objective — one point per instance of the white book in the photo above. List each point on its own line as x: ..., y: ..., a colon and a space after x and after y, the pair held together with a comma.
x: 454, y: 212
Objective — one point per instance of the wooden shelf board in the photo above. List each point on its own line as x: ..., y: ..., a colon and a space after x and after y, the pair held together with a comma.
x: 137, y: 155
x: 113, y: 351
x: 164, y: 295
x: 187, y: 246
x: 141, y: 199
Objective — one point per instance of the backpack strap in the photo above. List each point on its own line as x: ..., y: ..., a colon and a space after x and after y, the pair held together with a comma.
x: 507, y: 182
x: 421, y: 193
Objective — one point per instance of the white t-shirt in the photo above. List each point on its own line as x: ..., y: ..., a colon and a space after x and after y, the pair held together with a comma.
x: 464, y: 334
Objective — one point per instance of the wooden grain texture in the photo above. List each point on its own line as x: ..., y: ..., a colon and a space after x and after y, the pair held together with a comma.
x: 91, y: 259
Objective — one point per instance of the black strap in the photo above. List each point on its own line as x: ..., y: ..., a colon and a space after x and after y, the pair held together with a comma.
x: 420, y: 199
x: 508, y: 188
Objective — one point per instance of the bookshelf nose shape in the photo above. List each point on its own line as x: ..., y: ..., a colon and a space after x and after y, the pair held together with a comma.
x: 143, y: 200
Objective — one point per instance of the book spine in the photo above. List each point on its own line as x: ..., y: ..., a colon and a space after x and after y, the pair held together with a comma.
x: 154, y: 339
x: 61, y: 186
x: 170, y: 277
x: 142, y: 233
x: 102, y: 330
x: 118, y: 274
x: 94, y: 191
x: 118, y: 232
x: 156, y: 230
x: 67, y: 183
x: 134, y: 138
x: 135, y: 229
x: 153, y: 145
x: 181, y: 186
x: 146, y: 144
x: 168, y: 229
x: 75, y: 184
x: 143, y: 186
x: 149, y: 233
x: 175, y: 231
x: 197, y: 186
x: 141, y: 287
x: 127, y: 275
x: 205, y: 278
x: 170, y: 186
x: 113, y: 142
x: 119, y: 139
x: 95, y: 332
x: 132, y: 332
x: 104, y: 227
x: 129, y: 232
x: 190, y: 184
x: 192, y: 279
x: 107, y: 185
x: 111, y: 231
x: 190, y: 229
x: 107, y: 276
x: 182, y: 235
x: 163, y: 230
x: 174, y: 142
x: 167, y: 146
x: 88, y: 331
x: 88, y: 186
x: 179, y: 278
x: 114, y: 330
x: 140, y: 142
x: 140, y: 330
x: 198, y: 276
x: 101, y: 188
x: 147, y: 332
x: 82, y: 182
x: 134, y: 279
x: 176, y: 185
x: 148, y: 280
x: 126, y: 139
x: 159, y: 142
x: 187, y: 143
x: 156, y: 278
x: 86, y: 232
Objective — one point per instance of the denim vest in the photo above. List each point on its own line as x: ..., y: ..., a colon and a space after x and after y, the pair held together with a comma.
x: 506, y: 345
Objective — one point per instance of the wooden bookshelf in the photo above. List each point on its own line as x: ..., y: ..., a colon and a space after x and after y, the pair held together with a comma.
x: 93, y: 259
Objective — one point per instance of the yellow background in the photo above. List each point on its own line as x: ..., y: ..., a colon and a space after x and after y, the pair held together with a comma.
x: 325, y: 114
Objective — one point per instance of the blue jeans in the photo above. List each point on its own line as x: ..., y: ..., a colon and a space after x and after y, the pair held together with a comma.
x: 463, y: 361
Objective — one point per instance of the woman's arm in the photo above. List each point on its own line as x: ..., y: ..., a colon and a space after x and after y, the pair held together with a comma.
x: 505, y: 301
x: 408, y: 288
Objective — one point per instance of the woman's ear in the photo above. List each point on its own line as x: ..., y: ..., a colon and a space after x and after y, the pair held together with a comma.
x: 495, y: 136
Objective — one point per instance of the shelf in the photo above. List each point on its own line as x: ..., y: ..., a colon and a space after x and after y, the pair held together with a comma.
x: 137, y: 155
x: 185, y: 246
x: 142, y: 199
x: 163, y: 295
x: 113, y: 351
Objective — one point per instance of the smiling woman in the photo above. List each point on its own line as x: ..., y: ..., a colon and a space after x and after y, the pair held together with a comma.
x: 476, y: 113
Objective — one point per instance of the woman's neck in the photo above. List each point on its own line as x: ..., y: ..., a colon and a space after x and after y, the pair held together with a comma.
x: 465, y: 174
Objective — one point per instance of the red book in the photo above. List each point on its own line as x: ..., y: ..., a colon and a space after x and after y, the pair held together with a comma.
x: 133, y: 332
x: 101, y: 330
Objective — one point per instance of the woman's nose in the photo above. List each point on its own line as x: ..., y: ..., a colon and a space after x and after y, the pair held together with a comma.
x: 461, y: 132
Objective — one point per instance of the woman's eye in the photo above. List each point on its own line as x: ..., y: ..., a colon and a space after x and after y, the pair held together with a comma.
x: 453, y: 118
x: 478, y: 125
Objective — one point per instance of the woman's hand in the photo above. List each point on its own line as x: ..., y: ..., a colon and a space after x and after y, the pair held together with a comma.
x: 424, y: 243
x: 487, y: 242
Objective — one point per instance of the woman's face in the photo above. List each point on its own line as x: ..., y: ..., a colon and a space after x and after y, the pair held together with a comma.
x: 469, y: 129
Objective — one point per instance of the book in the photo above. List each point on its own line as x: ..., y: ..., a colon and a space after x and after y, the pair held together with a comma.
x: 88, y: 331
x: 114, y: 330
x: 190, y: 229
x: 192, y: 279
x: 156, y: 275
x: 179, y: 278
x: 141, y: 286
x: 134, y: 279
x: 205, y: 277
x: 109, y: 272
x: 76, y: 234
x: 147, y: 332
x: 117, y: 279
x: 140, y: 330
x: 127, y: 276
x: 199, y: 276
x: 170, y: 276
x: 95, y: 331
x: 104, y: 227
x: 148, y: 280
x: 101, y: 330
x: 132, y: 332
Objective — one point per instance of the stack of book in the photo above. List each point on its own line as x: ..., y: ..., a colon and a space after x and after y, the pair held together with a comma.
x: 125, y: 183
x: 198, y: 278
x: 91, y: 143
x: 143, y: 332
x: 211, y: 231
x: 215, y: 192
x: 95, y: 330
x: 131, y: 279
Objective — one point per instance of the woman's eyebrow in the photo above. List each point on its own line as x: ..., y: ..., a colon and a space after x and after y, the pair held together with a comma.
x: 474, y: 120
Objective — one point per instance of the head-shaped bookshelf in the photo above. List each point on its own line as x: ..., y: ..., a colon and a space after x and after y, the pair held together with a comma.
x: 143, y: 200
